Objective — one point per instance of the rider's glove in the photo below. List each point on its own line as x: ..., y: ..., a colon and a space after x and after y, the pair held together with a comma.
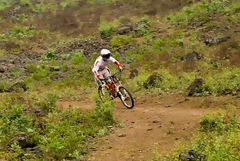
x: 120, y: 69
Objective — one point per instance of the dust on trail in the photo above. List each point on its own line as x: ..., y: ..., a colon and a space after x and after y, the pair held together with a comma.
x: 154, y: 123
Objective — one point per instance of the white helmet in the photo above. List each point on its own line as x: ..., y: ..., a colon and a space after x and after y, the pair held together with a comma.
x: 105, y: 53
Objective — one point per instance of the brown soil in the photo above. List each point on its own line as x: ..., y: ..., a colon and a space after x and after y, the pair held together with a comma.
x: 155, y: 123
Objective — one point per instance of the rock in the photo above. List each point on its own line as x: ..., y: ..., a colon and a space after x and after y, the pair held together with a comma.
x: 155, y: 121
x: 191, y: 155
x: 124, y: 30
x: 152, y: 81
x: 35, y: 109
x: 54, y: 68
x: 122, y: 135
x: 23, y: 140
x: 185, y: 100
x: 16, y: 61
x: 215, y: 40
x: 16, y: 86
x: 37, y: 150
x: 56, y: 76
x: 195, y: 87
x: 133, y: 73
x: 3, y: 60
x: 191, y: 56
x: 227, y: 91
x: 168, y: 106
x: 140, y: 26
x: 2, y: 69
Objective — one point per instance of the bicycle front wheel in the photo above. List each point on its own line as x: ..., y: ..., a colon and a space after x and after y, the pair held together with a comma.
x: 126, y: 97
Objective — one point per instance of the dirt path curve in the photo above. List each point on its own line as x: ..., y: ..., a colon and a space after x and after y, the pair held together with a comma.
x: 154, y: 123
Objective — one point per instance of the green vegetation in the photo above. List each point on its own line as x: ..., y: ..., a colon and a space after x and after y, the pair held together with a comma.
x: 61, y: 133
x: 217, y: 138
x: 106, y: 28
x: 120, y: 40
x: 18, y: 31
x: 199, y: 12
x: 57, y: 57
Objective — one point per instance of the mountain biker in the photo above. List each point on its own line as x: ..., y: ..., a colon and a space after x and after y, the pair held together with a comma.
x: 99, y: 67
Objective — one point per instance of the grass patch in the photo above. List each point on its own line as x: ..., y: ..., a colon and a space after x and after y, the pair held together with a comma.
x: 61, y: 134
x: 198, y: 12
x: 217, y: 138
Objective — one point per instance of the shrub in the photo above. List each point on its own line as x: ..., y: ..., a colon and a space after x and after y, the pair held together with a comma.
x: 32, y: 68
x: 160, y: 43
x: 197, y: 12
x: 223, y: 80
x: 105, y: 29
x: 50, y: 53
x: 12, y: 121
x: 145, y: 20
x: 77, y: 58
x: 17, y: 71
x: 65, y: 56
x: 120, y: 40
x: 132, y: 56
x: 217, y: 139
x: 3, y: 85
x: 49, y: 102
x: 68, y: 132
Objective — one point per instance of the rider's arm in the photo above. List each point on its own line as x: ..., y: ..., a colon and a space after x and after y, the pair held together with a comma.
x: 115, y: 62
x: 95, y: 69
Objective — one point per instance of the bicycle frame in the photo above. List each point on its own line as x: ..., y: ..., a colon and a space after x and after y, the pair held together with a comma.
x: 112, y: 83
x: 115, y: 89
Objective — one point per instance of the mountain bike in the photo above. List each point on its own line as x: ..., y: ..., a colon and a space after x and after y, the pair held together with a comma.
x: 113, y: 86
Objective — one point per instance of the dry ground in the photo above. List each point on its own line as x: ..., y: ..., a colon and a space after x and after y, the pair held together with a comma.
x: 154, y: 123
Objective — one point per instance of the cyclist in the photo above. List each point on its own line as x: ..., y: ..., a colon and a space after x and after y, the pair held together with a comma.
x: 99, y: 67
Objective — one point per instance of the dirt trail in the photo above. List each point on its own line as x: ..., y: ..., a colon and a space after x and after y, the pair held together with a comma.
x: 154, y: 123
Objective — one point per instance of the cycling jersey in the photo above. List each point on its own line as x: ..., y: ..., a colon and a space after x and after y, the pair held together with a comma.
x: 100, y: 65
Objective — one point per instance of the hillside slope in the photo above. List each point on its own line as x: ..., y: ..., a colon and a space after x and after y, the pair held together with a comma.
x: 169, y: 49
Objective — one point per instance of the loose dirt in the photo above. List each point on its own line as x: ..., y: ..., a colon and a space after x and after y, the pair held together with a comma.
x: 154, y: 124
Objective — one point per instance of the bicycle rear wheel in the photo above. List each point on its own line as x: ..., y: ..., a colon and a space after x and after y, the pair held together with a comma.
x: 126, y: 97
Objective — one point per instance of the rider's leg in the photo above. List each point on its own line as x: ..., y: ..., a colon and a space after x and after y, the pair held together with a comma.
x: 98, y: 82
x: 106, y: 73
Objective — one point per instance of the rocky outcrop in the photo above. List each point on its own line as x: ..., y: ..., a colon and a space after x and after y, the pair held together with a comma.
x: 191, y: 56
x: 2, y: 69
x: 54, y: 68
x: 195, y: 87
x: 152, y: 81
x: 191, y: 155
x: 124, y: 30
x: 133, y: 73
x: 37, y: 110
x: 209, y: 40
x: 87, y: 47
x: 23, y: 140
x: 14, y: 87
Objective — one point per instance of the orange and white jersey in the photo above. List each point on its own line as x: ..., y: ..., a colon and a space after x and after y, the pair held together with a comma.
x: 100, y: 64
